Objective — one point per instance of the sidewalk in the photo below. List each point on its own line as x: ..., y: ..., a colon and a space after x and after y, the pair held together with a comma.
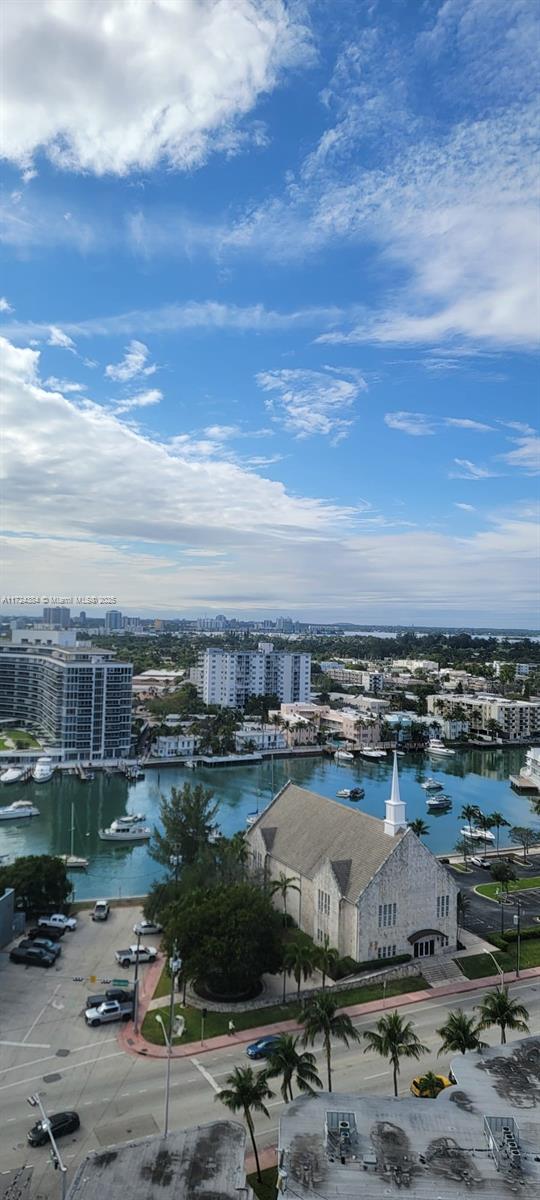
x: 134, y: 1043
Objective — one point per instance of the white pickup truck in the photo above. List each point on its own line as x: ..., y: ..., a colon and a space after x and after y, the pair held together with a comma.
x: 58, y: 921
x: 126, y: 958
x: 111, y: 1010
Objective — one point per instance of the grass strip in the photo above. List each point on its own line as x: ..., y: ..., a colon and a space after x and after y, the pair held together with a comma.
x: 476, y: 966
x: 265, y: 1190
x: 491, y: 890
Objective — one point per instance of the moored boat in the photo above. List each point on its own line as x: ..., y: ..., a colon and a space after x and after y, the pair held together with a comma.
x: 477, y: 835
x: 125, y: 829
x: 373, y: 755
x: 13, y: 774
x: 431, y: 785
x: 20, y: 808
x: 43, y: 770
x: 439, y: 803
x: 344, y: 756
x: 436, y: 746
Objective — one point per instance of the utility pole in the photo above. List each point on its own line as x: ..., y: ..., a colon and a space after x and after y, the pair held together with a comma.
x: 175, y: 965
x: 517, y: 923
x: 35, y: 1102
x: 136, y: 988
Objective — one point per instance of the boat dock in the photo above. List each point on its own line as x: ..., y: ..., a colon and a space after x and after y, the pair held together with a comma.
x: 523, y: 783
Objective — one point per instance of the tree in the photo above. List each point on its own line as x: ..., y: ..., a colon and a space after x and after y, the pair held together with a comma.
x: 418, y: 827
x: 187, y: 817
x: 299, y: 959
x: 247, y: 1092
x: 320, y: 1018
x: 459, y: 1034
x: 40, y: 882
x: 394, y: 1038
x: 469, y: 813
x: 327, y: 959
x: 430, y: 1085
x: 484, y: 823
x: 286, y: 1060
x: 498, y: 1009
x: 525, y: 837
x: 285, y: 883
x: 503, y: 872
x: 463, y: 908
x: 498, y: 822
x: 462, y: 847
x: 494, y: 728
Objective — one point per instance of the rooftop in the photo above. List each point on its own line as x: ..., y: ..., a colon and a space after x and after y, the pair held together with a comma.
x: 191, y: 1164
x: 481, y: 1137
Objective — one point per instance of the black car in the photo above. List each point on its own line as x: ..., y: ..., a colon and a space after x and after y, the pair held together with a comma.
x: 42, y: 944
x: 61, y: 1123
x: 32, y: 956
x: 52, y: 935
x: 123, y: 995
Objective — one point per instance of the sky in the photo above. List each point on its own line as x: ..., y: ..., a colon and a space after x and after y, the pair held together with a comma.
x: 269, y: 314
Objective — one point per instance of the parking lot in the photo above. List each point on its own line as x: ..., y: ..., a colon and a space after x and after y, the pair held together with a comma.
x: 484, y: 916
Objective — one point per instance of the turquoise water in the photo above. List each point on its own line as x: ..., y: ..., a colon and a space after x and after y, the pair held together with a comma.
x: 473, y: 776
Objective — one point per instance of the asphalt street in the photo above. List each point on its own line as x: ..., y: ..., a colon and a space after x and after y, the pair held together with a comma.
x: 484, y: 916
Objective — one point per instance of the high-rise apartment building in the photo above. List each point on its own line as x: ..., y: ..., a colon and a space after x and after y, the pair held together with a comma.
x: 77, y: 698
x: 57, y: 616
x: 229, y: 678
x: 113, y: 620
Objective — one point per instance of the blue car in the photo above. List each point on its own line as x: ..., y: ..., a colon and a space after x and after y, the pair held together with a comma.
x: 263, y: 1048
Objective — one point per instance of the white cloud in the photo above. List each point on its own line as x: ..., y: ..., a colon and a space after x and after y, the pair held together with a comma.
x: 58, y: 337
x: 112, y: 87
x: 140, y: 400
x: 416, y: 424
x: 465, y: 507
x: 526, y: 456
x: 67, y: 386
x: 467, y: 423
x: 309, y: 402
x: 133, y: 363
x: 5, y: 307
x: 471, y: 470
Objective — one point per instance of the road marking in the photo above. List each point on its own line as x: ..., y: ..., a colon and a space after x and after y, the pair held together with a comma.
x: 40, y: 1014
x: 30, y: 1045
x: 378, y: 1075
x: 74, y: 1067
x: 209, y: 1078
x: 46, y: 1057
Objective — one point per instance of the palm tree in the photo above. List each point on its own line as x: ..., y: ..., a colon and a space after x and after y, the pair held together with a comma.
x: 394, y: 1038
x: 484, y: 823
x: 320, y: 1018
x: 430, y: 1085
x: 459, y: 1034
x: 247, y: 1092
x: 498, y: 822
x: 327, y: 959
x: 498, y: 1009
x: 462, y: 847
x: 287, y: 1061
x: 469, y: 813
x: 418, y: 827
x: 285, y: 883
x: 463, y: 907
x: 299, y: 959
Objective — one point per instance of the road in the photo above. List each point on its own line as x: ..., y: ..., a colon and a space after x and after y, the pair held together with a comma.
x: 120, y: 1096
x: 484, y: 916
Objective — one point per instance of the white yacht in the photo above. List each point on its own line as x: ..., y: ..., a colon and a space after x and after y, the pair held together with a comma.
x: 43, y: 770
x: 126, y: 829
x: 431, y: 785
x: 373, y: 755
x: 477, y: 835
x: 344, y: 793
x: 436, y: 746
x: 439, y: 803
x: 20, y: 808
x: 344, y: 756
x: 13, y: 774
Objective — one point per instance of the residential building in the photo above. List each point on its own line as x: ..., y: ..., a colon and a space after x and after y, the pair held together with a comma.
x: 478, y: 1138
x: 297, y: 730
x: 57, y: 616
x: 416, y: 664
x: 518, y: 720
x: 230, y: 678
x: 77, y: 698
x: 368, y: 885
x: 522, y: 670
x: 157, y: 682
x: 113, y: 621
x: 259, y: 737
x: 368, y: 704
x: 175, y: 745
x: 370, y: 681
x: 42, y: 636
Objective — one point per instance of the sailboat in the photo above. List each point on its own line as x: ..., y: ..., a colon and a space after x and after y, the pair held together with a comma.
x: 73, y: 862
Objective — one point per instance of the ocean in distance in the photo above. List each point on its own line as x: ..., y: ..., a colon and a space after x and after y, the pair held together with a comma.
x: 470, y: 777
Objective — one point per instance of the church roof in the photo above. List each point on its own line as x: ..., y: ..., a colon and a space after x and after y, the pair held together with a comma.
x: 305, y: 829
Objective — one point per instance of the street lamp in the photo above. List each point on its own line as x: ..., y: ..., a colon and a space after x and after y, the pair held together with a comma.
x: 136, y: 988
x: 498, y: 966
x: 175, y: 965
x: 35, y: 1102
x: 517, y: 923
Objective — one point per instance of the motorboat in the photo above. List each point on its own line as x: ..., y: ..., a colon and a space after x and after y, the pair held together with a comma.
x: 436, y: 746
x: 373, y: 755
x: 357, y: 793
x: 477, y: 835
x: 126, y: 829
x: 251, y: 818
x: 13, y: 774
x: 439, y: 803
x: 73, y: 862
x: 43, y: 770
x: 344, y: 756
x: 344, y: 793
x: 431, y: 785
x: 20, y: 808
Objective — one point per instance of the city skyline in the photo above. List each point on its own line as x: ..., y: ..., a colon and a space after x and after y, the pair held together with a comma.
x: 270, y: 316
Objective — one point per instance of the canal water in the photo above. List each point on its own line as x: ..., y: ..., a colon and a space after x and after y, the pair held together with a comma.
x: 470, y: 777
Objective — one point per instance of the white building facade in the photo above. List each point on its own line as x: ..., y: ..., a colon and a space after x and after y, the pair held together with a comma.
x: 174, y: 745
x: 230, y: 678
x: 519, y: 720
x: 259, y: 737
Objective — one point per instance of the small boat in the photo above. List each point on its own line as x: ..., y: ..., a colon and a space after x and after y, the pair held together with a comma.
x: 477, y: 835
x: 130, y: 819
x: 432, y: 785
x: 357, y: 793
x: 125, y: 830
x: 13, y: 774
x: 436, y: 746
x: 373, y: 755
x: 250, y: 819
x: 344, y: 756
x: 439, y: 803
x: 20, y: 808
x: 73, y: 862
x: 344, y: 793
x: 190, y: 764
x: 43, y: 770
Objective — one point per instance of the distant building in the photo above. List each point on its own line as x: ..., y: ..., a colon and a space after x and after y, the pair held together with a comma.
x: 518, y: 719
x: 417, y: 664
x: 371, y: 681
x: 42, y: 636
x: 113, y: 620
x: 57, y: 616
x: 368, y: 885
x: 522, y: 670
x: 230, y: 678
x: 174, y: 745
x: 259, y: 737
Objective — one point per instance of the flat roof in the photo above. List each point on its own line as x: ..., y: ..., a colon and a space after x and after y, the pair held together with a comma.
x: 435, y: 1149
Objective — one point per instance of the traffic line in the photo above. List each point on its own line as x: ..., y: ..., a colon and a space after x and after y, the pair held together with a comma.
x: 378, y: 1075
x: 209, y: 1078
x: 46, y: 1057
x: 75, y: 1067
x: 29, y: 1045
x: 40, y: 1014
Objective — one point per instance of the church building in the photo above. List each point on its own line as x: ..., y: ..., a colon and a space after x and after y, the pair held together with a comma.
x: 369, y: 886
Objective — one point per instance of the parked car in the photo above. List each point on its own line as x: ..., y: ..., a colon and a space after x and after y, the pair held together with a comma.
x: 486, y: 863
x: 101, y: 910
x: 53, y: 935
x: 132, y: 954
x: 443, y: 1082
x: 263, y: 1047
x: 111, y: 1010
x: 61, y: 1123
x: 42, y: 944
x: 122, y: 995
x: 32, y: 956
x: 58, y: 921
x: 144, y: 927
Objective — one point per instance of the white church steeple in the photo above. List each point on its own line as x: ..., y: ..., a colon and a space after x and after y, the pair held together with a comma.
x: 395, y: 819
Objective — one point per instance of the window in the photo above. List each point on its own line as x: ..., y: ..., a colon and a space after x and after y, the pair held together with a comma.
x: 386, y: 952
x: 387, y: 915
x: 443, y: 906
x: 323, y: 902
x: 320, y: 935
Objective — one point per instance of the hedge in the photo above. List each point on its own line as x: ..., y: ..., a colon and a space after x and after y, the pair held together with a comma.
x: 348, y: 966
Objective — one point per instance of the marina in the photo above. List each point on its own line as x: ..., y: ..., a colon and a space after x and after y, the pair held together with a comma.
x: 117, y: 867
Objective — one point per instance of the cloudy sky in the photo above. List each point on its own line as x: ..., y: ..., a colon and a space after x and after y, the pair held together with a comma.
x: 269, y: 313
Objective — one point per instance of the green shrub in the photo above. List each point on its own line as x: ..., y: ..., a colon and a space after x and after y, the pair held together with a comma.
x: 348, y: 966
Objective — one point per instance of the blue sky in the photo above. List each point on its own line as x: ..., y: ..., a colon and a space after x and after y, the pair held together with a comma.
x: 270, y: 307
